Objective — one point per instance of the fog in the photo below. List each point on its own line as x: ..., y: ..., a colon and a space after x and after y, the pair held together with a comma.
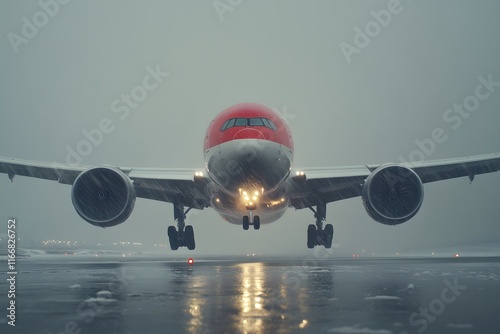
x: 349, y: 100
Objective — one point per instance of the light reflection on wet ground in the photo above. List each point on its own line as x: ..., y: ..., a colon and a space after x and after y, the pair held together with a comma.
x: 377, y: 296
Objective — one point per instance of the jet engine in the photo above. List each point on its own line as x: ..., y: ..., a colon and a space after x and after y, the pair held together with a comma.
x: 392, y: 194
x: 103, y: 196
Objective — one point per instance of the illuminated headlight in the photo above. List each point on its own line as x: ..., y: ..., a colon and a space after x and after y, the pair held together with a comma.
x: 250, y: 197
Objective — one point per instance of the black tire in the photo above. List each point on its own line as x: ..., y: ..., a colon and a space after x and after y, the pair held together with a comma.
x: 173, y: 238
x: 328, y: 236
x: 312, y: 233
x: 256, y: 222
x: 246, y: 223
x: 189, y: 237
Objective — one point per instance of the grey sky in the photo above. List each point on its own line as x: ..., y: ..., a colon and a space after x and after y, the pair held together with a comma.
x: 284, y: 54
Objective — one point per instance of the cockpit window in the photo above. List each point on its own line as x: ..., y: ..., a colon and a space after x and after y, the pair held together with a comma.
x: 227, y: 124
x: 255, y: 121
x: 272, y: 125
x: 231, y: 123
x: 241, y: 122
x: 266, y: 123
x: 223, y: 127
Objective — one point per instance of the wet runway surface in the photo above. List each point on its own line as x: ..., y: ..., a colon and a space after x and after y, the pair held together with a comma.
x: 150, y: 295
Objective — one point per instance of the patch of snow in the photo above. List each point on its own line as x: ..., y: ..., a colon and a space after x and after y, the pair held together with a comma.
x: 100, y: 300
x: 104, y: 294
x: 358, y: 330
x: 382, y: 297
x: 460, y: 326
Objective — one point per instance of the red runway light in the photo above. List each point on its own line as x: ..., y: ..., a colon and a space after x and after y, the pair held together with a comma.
x: 190, y: 260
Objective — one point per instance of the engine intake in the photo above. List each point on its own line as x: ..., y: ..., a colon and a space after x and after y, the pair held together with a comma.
x: 392, y: 194
x: 103, y: 196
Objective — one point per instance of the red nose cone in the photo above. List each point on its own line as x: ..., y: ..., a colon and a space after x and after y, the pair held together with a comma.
x: 249, y: 134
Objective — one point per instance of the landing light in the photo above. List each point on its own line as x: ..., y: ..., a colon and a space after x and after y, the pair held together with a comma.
x: 190, y: 261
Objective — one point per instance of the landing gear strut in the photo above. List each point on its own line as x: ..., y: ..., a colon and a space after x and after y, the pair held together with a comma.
x: 251, y: 219
x: 316, y: 235
x: 184, y: 235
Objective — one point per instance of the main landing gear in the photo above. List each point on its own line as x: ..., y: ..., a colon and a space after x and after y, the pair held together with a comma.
x: 251, y: 219
x: 316, y: 235
x: 184, y: 235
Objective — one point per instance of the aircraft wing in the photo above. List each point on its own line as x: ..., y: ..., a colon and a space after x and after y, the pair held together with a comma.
x: 325, y: 185
x: 159, y: 184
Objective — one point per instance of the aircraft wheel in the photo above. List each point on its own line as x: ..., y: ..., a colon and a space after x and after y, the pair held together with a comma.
x: 189, y: 236
x: 256, y: 222
x: 246, y: 223
x: 311, y: 236
x: 173, y: 238
x: 328, y: 235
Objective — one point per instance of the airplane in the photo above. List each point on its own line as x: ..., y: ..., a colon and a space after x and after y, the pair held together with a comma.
x: 249, y: 179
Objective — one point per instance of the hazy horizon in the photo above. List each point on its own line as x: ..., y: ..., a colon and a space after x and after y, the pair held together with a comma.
x: 369, y: 107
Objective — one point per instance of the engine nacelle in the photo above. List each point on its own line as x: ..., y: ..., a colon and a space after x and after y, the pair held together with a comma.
x: 103, y: 196
x: 392, y: 194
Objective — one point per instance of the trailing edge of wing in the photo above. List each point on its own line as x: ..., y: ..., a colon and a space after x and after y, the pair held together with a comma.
x: 330, y: 184
x: 160, y: 184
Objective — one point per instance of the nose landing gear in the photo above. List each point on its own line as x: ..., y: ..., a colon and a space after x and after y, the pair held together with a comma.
x: 251, y: 219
